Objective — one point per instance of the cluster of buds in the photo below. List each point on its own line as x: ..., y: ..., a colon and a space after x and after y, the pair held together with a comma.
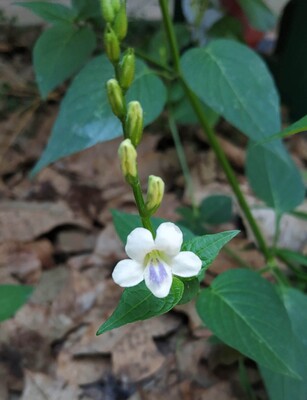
x: 131, y: 114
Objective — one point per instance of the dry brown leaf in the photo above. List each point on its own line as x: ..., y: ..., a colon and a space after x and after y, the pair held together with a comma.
x: 42, y: 387
x: 195, y: 323
x: 108, y: 246
x: 19, y: 261
x: 24, y: 221
x: 81, y: 371
x: 75, y: 241
x: 59, y: 182
x: 220, y: 391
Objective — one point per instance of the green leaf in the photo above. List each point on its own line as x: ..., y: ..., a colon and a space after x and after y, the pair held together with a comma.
x: 60, y: 52
x: 12, y: 297
x: 85, y: 115
x: 292, y: 256
x: 298, y: 127
x: 207, y: 247
x: 87, y: 9
x: 234, y: 81
x: 125, y: 223
x: 216, y: 209
x: 51, y: 12
x: 191, y: 289
x: 274, y: 177
x: 259, y: 14
x: 138, y: 303
x: 244, y: 311
x: 227, y: 28
x: 281, y: 387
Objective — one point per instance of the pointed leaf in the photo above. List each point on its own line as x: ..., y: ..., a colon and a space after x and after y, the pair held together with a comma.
x: 85, y: 116
x: 12, y: 297
x: 298, y: 127
x: 138, y: 303
x: 244, y: 311
x: 207, y: 247
x: 235, y: 83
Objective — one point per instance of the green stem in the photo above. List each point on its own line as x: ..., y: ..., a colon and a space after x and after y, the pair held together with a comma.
x: 278, y: 217
x: 139, y: 201
x: 182, y: 157
x: 168, y: 26
x: 213, y: 141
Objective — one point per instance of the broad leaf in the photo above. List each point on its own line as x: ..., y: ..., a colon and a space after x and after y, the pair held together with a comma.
x: 138, y: 303
x: 125, y: 223
x: 12, y: 297
x: 60, y: 52
x: 85, y: 116
x: 244, y: 311
x: 235, y: 83
x: 216, y: 209
x: 275, y: 179
x: 281, y: 387
x: 207, y: 247
x: 258, y: 13
x: 51, y: 12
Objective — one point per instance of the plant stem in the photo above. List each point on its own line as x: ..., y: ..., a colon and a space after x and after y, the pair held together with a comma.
x: 182, y: 158
x: 210, y: 133
x: 139, y: 200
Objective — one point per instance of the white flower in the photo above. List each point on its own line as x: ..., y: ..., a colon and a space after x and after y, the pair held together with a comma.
x: 156, y: 260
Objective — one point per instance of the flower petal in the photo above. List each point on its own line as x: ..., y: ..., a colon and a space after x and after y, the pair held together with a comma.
x: 139, y: 243
x: 158, y: 279
x: 169, y: 239
x: 186, y: 264
x: 128, y: 273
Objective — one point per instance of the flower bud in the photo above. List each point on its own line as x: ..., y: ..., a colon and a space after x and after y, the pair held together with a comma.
x: 127, y: 69
x: 116, y: 5
x: 111, y: 45
x: 134, y: 122
x: 127, y: 155
x: 116, y: 98
x: 155, y: 193
x: 120, y: 24
x: 108, y: 11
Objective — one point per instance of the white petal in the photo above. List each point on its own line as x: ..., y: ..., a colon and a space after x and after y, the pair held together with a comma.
x: 158, y: 279
x: 186, y: 264
x: 128, y: 273
x: 169, y: 239
x: 139, y: 243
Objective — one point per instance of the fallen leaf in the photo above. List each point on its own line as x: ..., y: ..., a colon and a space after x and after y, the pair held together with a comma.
x: 41, y: 387
x: 24, y: 221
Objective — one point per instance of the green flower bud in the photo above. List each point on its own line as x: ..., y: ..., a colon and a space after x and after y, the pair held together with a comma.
x: 134, y: 122
x: 116, y: 98
x: 111, y: 45
x: 116, y: 5
x: 108, y: 11
x: 127, y: 155
x: 127, y: 69
x: 155, y: 193
x: 120, y: 24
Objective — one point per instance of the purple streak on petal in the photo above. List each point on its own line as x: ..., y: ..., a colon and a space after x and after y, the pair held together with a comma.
x: 157, y: 274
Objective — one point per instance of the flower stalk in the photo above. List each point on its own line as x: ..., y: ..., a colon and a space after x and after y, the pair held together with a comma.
x: 131, y: 116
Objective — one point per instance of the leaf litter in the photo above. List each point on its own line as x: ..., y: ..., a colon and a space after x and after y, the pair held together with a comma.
x: 56, y: 234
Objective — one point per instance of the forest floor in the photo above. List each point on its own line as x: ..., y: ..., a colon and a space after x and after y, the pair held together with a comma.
x: 56, y: 233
